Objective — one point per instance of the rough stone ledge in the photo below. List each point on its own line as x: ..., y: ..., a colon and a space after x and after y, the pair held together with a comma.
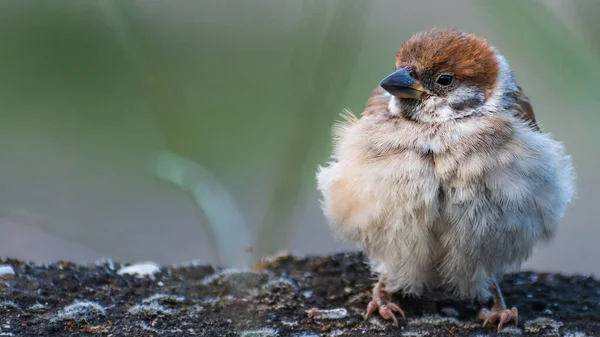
x: 271, y: 300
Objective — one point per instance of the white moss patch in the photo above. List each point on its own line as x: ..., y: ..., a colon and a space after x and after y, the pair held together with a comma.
x: 226, y: 274
x: 307, y: 294
x: 38, y: 307
x: 106, y: 262
x: 543, y: 323
x: 281, y: 282
x: 376, y: 322
x: 576, y: 334
x: 80, y: 311
x: 141, y: 269
x: 149, y: 310
x: 434, y: 320
x: 144, y: 326
x: 412, y: 333
x: 10, y: 305
x: 264, y: 332
x: 6, y: 270
x: 511, y: 330
x: 164, y: 299
x: 212, y: 300
x: 289, y: 323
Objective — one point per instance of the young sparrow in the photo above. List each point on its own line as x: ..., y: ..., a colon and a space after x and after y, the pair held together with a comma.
x: 446, y: 179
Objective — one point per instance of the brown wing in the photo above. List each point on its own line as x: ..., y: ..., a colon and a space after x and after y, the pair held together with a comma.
x: 525, y: 110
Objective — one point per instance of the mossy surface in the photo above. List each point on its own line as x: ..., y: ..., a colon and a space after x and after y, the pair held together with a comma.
x: 272, y: 300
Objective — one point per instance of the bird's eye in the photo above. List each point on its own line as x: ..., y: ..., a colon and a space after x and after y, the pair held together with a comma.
x: 445, y: 79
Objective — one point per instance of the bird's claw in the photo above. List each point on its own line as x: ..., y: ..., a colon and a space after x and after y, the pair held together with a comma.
x: 500, y: 315
x: 385, y: 309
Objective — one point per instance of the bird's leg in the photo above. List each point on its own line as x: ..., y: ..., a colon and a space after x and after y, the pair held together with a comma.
x: 499, y: 313
x: 382, y: 303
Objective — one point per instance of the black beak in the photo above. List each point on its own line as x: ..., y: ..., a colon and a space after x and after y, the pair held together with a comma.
x: 402, y: 85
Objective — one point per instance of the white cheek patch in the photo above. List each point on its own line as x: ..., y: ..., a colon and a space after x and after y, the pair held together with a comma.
x: 464, y: 94
x: 443, y: 109
x: 430, y: 105
x: 444, y: 113
x: 394, y: 106
x: 433, y: 109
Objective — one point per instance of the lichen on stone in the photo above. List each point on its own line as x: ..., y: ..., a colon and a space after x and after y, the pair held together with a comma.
x: 80, y: 311
x: 264, y: 332
x: 542, y: 323
x: 149, y: 310
x: 164, y: 299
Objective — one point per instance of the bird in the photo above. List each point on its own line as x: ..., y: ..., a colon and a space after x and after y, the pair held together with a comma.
x: 446, y: 180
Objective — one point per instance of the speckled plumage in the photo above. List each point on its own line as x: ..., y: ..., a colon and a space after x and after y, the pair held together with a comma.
x: 437, y: 195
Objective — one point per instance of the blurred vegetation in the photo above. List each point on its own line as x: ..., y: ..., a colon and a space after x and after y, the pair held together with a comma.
x: 335, y: 55
x: 139, y: 119
x: 570, y: 65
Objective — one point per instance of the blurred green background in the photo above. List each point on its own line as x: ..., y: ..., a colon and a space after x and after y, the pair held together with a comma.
x: 191, y: 130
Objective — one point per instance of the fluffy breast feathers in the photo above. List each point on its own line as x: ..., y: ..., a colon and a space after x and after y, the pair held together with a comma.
x: 444, y: 204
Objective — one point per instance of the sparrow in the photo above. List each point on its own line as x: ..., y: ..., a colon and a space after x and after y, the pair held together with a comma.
x: 446, y: 180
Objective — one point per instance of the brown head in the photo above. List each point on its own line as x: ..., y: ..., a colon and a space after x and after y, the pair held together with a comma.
x: 447, y: 74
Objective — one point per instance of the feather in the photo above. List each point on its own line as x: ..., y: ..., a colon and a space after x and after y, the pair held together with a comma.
x: 524, y: 110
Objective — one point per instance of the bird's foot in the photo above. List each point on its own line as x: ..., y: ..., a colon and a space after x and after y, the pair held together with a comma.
x: 499, y: 315
x: 382, y: 303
